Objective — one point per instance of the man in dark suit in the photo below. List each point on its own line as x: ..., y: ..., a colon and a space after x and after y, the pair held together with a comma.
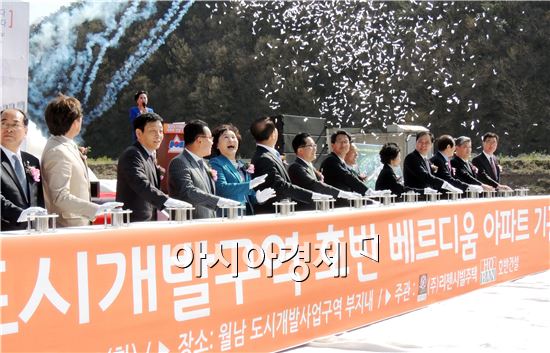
x: 303, y: 173
x: 334, y: 169
x: 464, y: 169
x: 442, y: 160
x: 487, y: 164
x: 418, y: 172
x: 21, y: 186
x: 267, y: 160
x: 138, y: 176
x: 190, y: 177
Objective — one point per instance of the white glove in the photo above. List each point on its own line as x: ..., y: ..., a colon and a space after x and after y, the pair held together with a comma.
x: 451, y: 188
x: 371, y: 192
x: 223, y: 202
x: 348, y: 195
x: 31, y: 211
x: 429, y: 191
x: 265, y: 194
x: 317, y: 196
x: 175, y: 203
x: 476, y: 188
x: 257, y: 181
x: 107, y: 206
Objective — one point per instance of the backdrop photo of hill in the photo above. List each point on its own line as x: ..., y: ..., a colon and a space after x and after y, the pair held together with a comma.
x: 461, y: 68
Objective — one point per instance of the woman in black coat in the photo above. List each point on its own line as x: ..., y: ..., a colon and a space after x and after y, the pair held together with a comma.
x: 390, y: 156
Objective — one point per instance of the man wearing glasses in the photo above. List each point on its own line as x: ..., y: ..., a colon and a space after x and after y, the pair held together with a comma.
x: 267, y: 160
x: 303, y: 173
x: 190, y: 178
x: 21, y: 185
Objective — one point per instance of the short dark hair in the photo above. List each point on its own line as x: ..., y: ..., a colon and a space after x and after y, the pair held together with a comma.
x: 443, y: 141
x: 218, y: 132
x: 25, y: 119
x: 262, y: 128
x: 389, y: 152
x: 459, y: 141
x: 424, y: 133
x: 139, y: 93
x: 141, y: 120
x: 192, y: 130
x: 299, y: 141
x: 61, y: 112
x: 334, y: 136
x: 489, y: 135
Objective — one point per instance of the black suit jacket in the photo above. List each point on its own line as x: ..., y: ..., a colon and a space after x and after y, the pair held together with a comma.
x: 337, y: 174
x: 278, y: 179
x: 464, y: 171
x: 443, y: 172
x: 138, y: 184
x: 387, y: 180
x: 302, y: 175
x: 12, y: 198
x: 485, y: 172
x: 417, y: 175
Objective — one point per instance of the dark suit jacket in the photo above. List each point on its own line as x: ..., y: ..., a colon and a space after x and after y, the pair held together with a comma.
x: 417, y: 175
x: 189, y: 183
x: 138, y: 184
x: 443, y: 172
x: 387, y: 180
x: 337, y: 174
x: 464, y: 171
x: 485, y: 172
x: 302, y: 175
x: 278, y: 179
x: 12, y: 198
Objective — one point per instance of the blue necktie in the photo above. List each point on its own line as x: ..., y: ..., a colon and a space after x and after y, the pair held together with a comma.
x: 20, y: 174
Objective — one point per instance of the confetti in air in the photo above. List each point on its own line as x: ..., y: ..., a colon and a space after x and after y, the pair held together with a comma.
x: 369, y: 50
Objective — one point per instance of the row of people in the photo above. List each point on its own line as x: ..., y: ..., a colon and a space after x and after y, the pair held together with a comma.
x: 61, y: 184
x: 449, y: 169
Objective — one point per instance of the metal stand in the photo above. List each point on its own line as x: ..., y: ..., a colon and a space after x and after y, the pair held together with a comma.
x: 324, y: 204
x: 285, y: 207
x: 452, y: 195
x: 505, y: 193
x: 233, y: 212
x: 41, y: 223
x: 180, y: 214
x: 119, y: 218
x: 522, y: 192
x: 410, y: 196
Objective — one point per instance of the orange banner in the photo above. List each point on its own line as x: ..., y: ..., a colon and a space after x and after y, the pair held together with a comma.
x: 258, y: 284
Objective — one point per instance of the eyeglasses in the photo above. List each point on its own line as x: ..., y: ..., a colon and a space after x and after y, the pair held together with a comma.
x: 207, y: 137
x: 309, y: 146
x: 7, y: 126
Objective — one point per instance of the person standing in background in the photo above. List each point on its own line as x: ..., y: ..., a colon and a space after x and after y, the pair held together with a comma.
x: 141, y: 107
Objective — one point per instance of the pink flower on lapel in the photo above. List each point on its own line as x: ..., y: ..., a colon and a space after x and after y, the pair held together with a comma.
x: 474, y: 168
x: 33, y: 172
x: 453, y: 171
x: 213, y: 174
x: 434, y: 168
x: 250, y: 168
